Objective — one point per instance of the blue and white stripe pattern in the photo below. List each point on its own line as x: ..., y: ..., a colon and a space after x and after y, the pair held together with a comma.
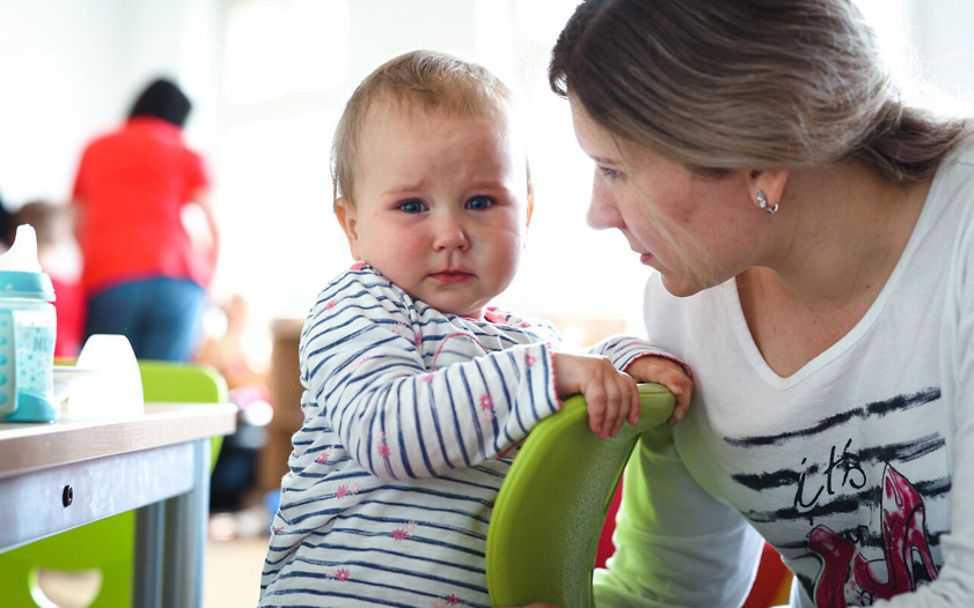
x: 410, y: 418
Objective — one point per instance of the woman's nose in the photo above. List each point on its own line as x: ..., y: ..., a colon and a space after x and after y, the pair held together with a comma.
x: 602, y: 210
x: 450, y: 235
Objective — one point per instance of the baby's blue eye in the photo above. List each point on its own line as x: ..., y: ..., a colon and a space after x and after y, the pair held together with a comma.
x: 479, y: 202
x: 412, y: 206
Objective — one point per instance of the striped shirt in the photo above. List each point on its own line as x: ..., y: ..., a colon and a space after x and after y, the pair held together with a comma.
x: 410, y: 421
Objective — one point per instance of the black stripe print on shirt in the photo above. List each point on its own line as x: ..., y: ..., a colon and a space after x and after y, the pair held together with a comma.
x: 837, y: 481
x: 895, y: 452
x: 877, y: 408
x: 845, y: 503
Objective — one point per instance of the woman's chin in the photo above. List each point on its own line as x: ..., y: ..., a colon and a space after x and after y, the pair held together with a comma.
x: 681, y: 287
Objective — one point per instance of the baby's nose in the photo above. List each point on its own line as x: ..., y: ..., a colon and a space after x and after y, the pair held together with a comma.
x: 450, y: 235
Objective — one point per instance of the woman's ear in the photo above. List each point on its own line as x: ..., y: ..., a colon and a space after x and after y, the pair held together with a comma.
x: 771, y: 182
x: 345, y: 214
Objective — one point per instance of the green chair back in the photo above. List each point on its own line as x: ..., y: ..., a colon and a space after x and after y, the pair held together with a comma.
x: 106, y: 545
x: 184, y: 383
x: 545, y: 526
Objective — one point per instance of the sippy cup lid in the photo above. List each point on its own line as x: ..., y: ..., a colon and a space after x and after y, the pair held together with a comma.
x: 20, y: 270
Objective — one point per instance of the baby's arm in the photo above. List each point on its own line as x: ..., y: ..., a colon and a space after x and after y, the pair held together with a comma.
x: 610, y: 395
x: 646, y: 363
x: 367, y: 380
x: 595, y: 376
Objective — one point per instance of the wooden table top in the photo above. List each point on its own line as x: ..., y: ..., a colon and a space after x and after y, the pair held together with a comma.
x: 29, y: 446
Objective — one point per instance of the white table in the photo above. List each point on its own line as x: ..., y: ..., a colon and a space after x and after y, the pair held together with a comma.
x: 54, y: 477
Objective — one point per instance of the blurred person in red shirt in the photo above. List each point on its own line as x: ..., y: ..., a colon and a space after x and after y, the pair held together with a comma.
x: 143, y: 275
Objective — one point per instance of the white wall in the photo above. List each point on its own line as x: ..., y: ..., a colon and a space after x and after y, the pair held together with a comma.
x: 272, y: 167
x: 943, y: 34
x: 71, y: 68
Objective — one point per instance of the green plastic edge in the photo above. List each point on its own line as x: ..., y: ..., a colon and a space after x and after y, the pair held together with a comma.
x: 531, y: 530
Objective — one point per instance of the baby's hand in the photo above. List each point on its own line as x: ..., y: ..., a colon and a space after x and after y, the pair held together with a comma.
x: 670, y: 374
x: 610, y: 395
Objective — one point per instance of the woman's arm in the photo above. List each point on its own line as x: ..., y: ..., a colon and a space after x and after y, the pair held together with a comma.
x: 675, y: 544
x: 954, y: 585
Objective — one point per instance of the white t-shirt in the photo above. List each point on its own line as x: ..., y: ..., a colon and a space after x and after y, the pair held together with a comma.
x: 858, y: 468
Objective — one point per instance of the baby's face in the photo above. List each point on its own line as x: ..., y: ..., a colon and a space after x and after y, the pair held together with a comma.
x: 440, y: 206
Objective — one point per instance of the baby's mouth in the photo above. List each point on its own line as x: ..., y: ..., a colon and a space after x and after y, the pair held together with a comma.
x: 452, y: 276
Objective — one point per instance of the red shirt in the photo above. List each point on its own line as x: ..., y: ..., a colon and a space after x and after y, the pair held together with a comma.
x: 131, y: 186
x: 69, y: 309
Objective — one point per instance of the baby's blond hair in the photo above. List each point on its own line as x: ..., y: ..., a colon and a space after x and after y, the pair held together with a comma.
x: 424, y: 80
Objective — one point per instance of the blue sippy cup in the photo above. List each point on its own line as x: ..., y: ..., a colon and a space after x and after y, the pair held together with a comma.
x: 27, y: 332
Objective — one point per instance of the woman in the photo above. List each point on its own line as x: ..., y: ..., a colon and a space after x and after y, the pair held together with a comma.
x: 142, y: 275
x: 814, y: 242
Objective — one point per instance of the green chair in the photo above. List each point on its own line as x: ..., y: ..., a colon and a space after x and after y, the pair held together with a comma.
x: 106, y: 545
x: 545, y: 526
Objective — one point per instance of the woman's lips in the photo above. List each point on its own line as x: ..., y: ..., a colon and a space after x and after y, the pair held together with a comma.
x: 646, y: 258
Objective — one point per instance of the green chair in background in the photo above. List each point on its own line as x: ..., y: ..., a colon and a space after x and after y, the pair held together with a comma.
x: 545, y: 526
x: 106, y: 545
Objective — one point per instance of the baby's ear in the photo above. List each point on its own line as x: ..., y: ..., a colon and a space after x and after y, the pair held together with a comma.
x: 345, y: 214
x: 530, y: 207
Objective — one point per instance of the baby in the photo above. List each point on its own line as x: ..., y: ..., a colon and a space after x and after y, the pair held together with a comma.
x: 416, y: 391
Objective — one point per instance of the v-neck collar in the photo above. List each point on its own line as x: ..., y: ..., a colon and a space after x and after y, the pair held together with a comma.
x: 732, y: 302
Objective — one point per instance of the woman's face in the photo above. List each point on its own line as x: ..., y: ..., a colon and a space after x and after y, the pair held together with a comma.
x: 696, y: 230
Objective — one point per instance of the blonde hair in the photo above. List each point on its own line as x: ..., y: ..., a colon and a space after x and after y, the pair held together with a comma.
x: 427, y: 80
x: 746, y: 84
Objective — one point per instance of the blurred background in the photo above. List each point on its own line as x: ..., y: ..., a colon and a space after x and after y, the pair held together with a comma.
x: 268, y: 79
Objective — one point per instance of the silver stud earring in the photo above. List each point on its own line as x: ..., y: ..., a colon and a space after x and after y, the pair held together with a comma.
x: 762, y: 200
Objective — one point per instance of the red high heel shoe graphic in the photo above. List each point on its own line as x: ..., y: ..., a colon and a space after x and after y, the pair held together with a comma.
x: 904, y: 531
x: 836, y: 553
x: 847, y: 573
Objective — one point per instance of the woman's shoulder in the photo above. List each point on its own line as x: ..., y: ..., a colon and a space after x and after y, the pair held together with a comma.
x: 957, y: 189
x: 957, y: 169
x: 964, y: 151
x: 951, y: 195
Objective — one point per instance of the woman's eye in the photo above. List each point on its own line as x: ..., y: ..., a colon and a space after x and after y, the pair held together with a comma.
x: 610, y: 174
x: 479, y: 202
x: 412, y: 206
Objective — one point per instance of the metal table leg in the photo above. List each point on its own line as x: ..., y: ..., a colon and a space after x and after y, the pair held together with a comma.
x: 185, y: 541
x: 170, y: 543
x: 149, y: 532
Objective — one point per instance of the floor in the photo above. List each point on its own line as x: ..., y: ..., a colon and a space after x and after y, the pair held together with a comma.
x: 234, y: 556
x: 233, y: 572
